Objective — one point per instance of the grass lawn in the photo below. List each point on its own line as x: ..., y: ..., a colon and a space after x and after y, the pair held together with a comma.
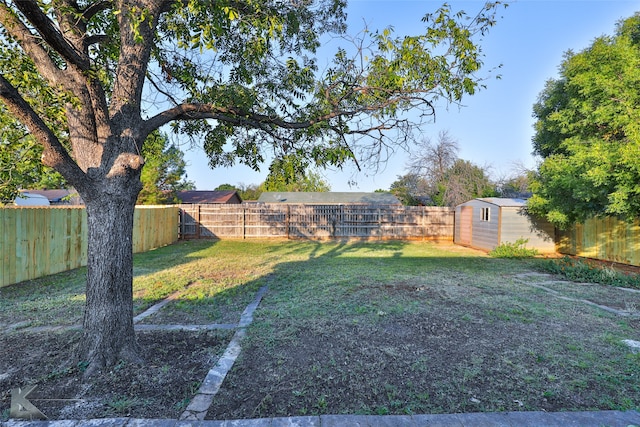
x: 371, y: 328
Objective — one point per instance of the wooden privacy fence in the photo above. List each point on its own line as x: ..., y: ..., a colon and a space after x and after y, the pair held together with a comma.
x: 36, y: 242
x: 293, y: 221
x: 607, y: 239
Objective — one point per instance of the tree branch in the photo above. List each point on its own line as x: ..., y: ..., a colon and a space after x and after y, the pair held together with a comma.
x: 96, y: 8
x: 137, y: 26
x: 235, y: 115
x: 54, y: 155
x: 51, y: 34
x: 29, y: 43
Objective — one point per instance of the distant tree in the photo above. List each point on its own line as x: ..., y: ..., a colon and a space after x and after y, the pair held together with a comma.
x: 293, y: 173
x: 588, y: 132
x: 438, y: 177
x: 226, y: 187
x: 21, y: 168
x: 517, y: 184
x: 462, y: 182
x: 245, y: 191
x: 412, y: 190
x: 515, y: 187
x: 249, y: 191
x: 164, y: 173
x: 432, y: 160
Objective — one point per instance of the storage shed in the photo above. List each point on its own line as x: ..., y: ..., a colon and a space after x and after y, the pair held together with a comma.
x: 488, y: 222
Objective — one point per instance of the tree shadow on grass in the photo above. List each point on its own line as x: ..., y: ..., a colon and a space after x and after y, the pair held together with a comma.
x: 382, y: 329
x: 58, y: 299
x: 371, y: 327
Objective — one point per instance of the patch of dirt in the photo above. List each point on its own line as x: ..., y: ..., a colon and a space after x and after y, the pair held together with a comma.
x: 455, y: 358
x: 621, y: 299
x: 450, y: 354
x: 176, y: 363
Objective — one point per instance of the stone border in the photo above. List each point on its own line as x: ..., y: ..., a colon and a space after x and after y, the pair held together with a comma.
x: 477, y: 419
x: 199, y: 405
x: 540, y: 285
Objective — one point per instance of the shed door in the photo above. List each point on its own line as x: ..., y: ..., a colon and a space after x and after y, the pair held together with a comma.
x: 466, y: 223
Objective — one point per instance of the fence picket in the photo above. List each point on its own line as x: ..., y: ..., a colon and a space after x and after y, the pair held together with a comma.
x: 35, y: 242
x: 316, y: 221
x: 607, y: 239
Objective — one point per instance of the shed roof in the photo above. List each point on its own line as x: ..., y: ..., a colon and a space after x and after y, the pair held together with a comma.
x: 504, y: 202
x: 328, y: 198
x: 201, y: 197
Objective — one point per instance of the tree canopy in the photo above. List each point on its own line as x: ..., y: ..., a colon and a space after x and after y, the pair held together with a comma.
x: 437, y: 177
x: 90, y: 80
x: 462, y: 182
x: 290, y: 173
x: 20, y: 166
x: 412, y: 190
x: 164, y: 173
x: 245, y: 191
x: 588, y: 132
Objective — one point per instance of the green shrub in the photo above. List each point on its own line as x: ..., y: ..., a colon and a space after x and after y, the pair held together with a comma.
x: 513, y: 250
x: 585, y: 271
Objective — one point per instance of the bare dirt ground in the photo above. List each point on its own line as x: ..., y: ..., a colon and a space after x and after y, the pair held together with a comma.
x: 176, y: 363
x: 455, y: 354
x: 459, y: 358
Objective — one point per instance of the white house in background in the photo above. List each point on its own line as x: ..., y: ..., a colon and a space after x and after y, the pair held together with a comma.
x: 488, y: 222
x: 60, y: 196
x: 25, y: 198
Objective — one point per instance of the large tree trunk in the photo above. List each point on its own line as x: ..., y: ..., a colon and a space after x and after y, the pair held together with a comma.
x: 108, y: 320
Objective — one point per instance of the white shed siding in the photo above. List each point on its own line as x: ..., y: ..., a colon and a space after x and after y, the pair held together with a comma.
x: 517, y: 225
x: 484, y: 233
x: 507, y: 223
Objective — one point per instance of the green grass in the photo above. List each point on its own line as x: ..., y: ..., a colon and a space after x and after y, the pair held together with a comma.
x: 337, y: 315
x: 518, y: 249
x: 588, y: 271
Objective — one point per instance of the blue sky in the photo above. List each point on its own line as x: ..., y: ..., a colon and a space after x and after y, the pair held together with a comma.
x: 494, y: 128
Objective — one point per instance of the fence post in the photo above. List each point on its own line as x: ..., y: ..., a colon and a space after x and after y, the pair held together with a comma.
x: 197, y: 221
x: 287, y: 220
x: 244, y: 222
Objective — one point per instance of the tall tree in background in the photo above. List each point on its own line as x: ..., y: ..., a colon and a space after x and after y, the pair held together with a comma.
x: 412, y: 190
x: 462, y: 182
x: 432, y: 161
x: 588, y: 132
x: 517, y: 184
x: 21, y: 168
x: 91, y: 79
x: 291, y: 173
x: 438, y: 177
x: 164, y: 173
x: 245, y: 191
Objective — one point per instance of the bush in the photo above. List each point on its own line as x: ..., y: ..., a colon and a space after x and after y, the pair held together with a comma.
x: 513, y: 250
x: 585, y: 271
